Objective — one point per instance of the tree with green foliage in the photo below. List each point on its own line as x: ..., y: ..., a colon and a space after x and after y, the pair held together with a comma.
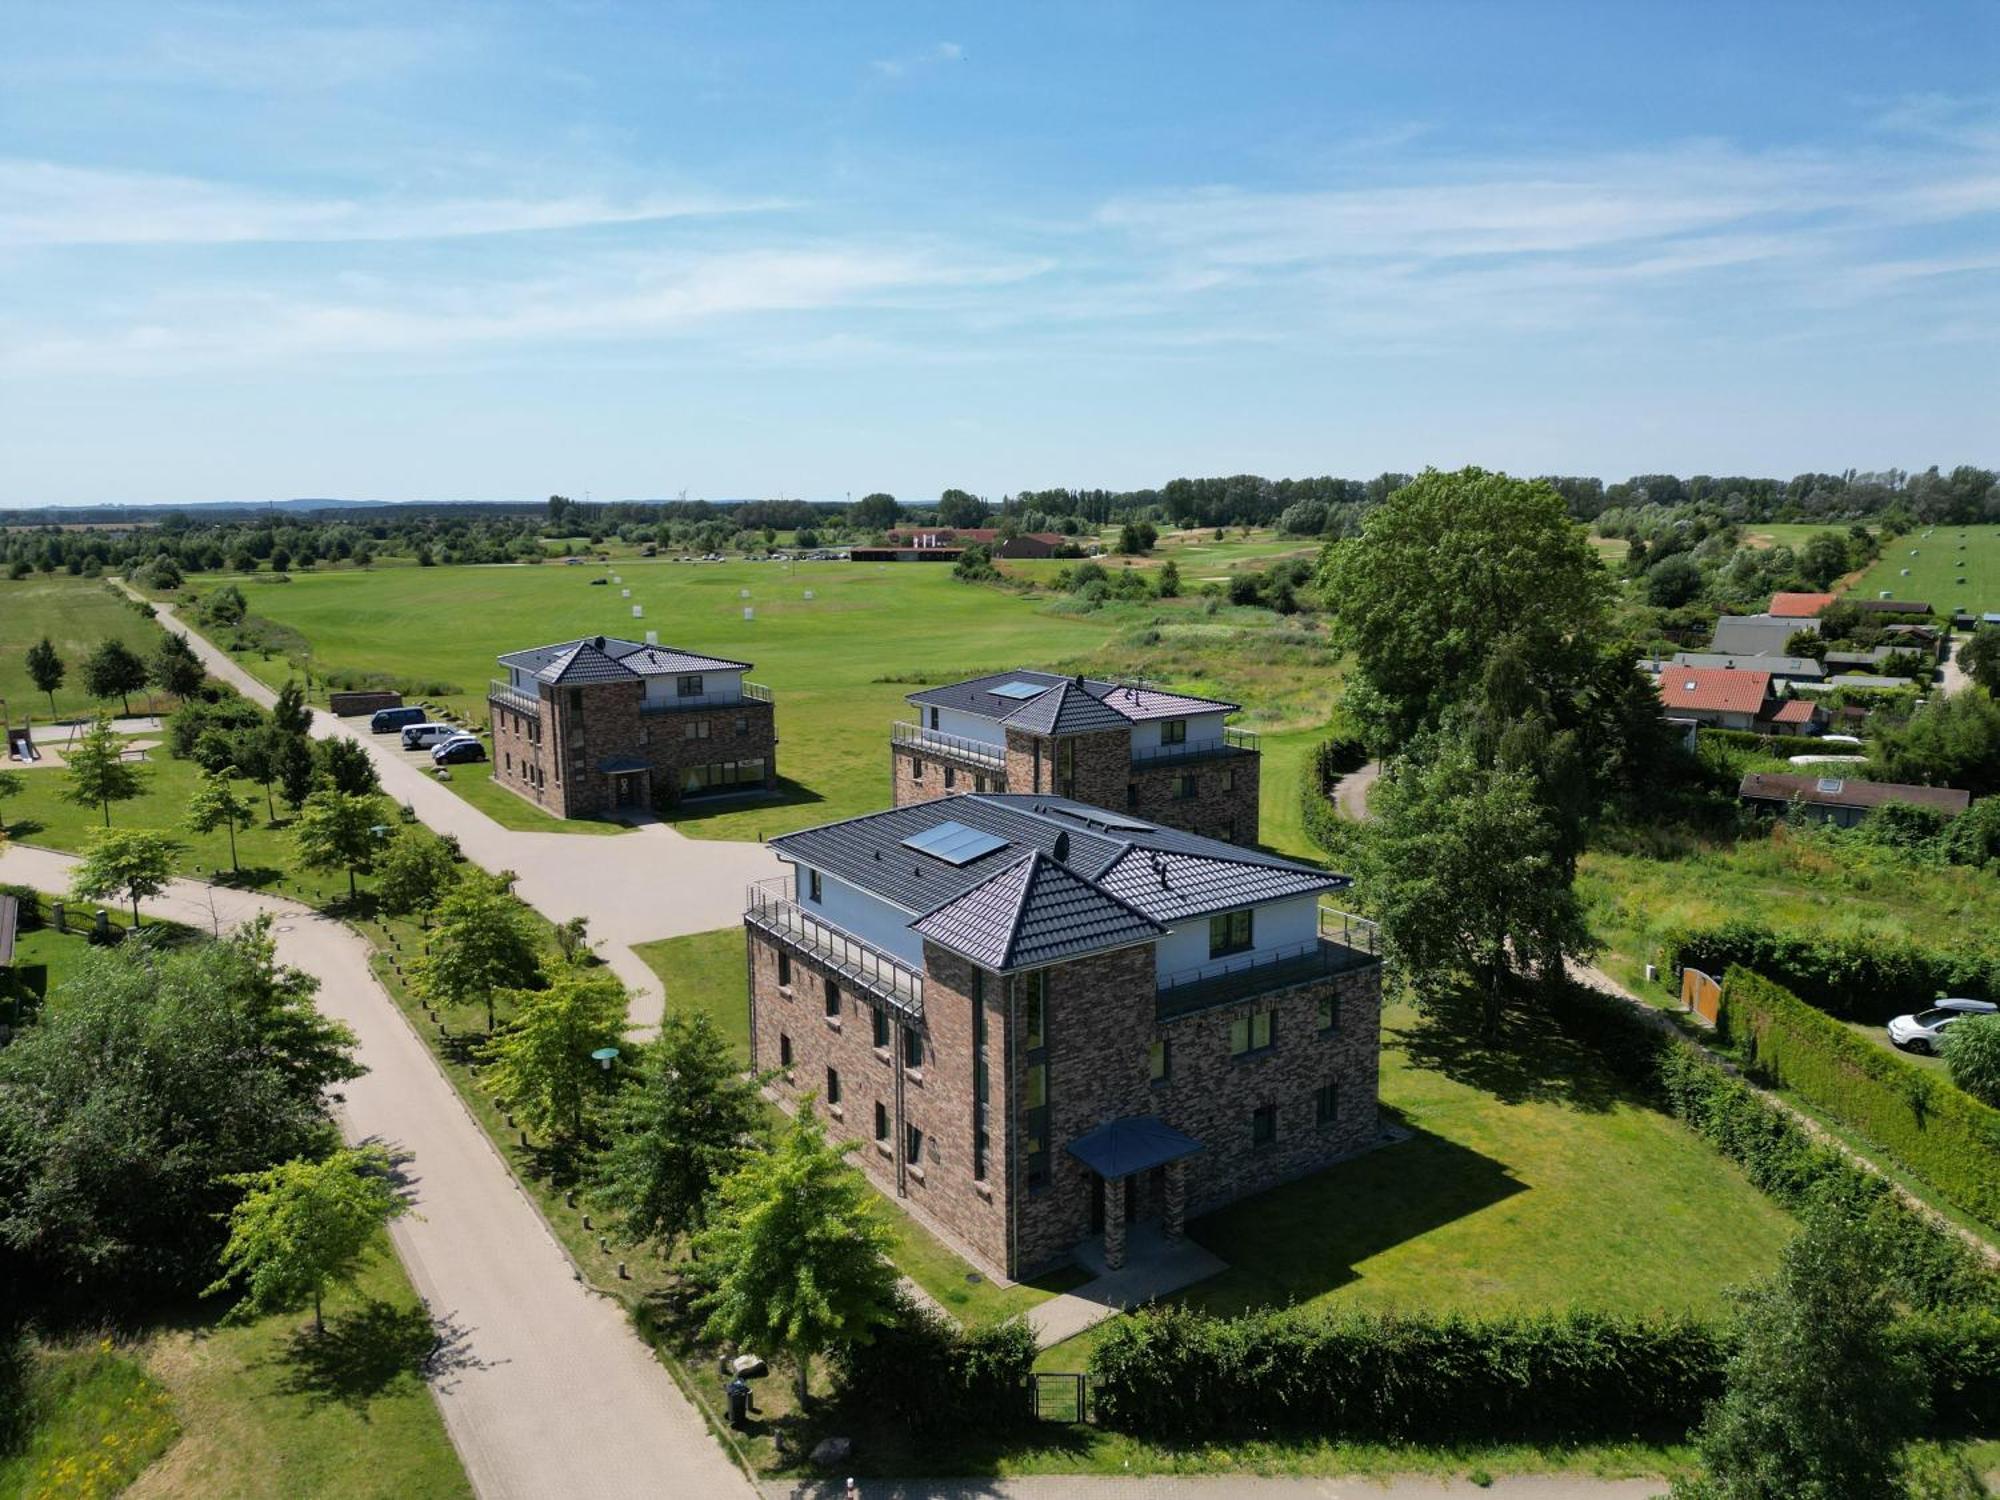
x: 1444, y: 568
x: 251, y: 751
x: 1823, y: 558
x: 304, y: 1226
x: 175, y: 668
x: 684, y: 1125
x: 226, y: 605
x: 97, y: 772
x: 217, y: 804
x: 876, y: 512
x: 291, y: 713
x: 1951, y: 741
x: 1971, y: 1047
x: 1673, y: 581
x: 114, y: 670
x: 1818, y: 1399
x: 130, y: 863
x: 482, y: 943
x: 959, y: 509
x: 1979, y: 657
x: 12, y: 784
x: 292, y: 764
x: 796, y: 1256
x: 339, y: 831
x: 1168, y: 584
x: 46, y: 670
x: 1467, y: 873
x: 155, y: 1075
x: 347, y: 766
x: 541, y: 1063
x: 415, y: 872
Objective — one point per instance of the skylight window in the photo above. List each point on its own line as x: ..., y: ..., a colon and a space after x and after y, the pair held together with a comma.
x: 1022, y: 690
x: 954, y: 843
x: 1831, y: 785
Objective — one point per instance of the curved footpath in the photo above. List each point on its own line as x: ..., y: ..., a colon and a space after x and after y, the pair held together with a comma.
x: 551, y: 1393
x: 654, y: 882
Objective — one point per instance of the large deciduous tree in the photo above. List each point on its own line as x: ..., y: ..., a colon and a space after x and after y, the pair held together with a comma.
x: 347, y: 767
x: 684, y: 1125
x: 876, y: 512
x: 482, y: 943
x: 129, y: 863
x: 217, y: 804
x: 1950, y: 741
x: 415, y: 872
x: 97, y: 772
x: 1979, y: 657
x: 338, y: 831
x: 114, y: 670
x: 46, y: 669
x: 175, y: 668
x: 542, y: 1065
x: 303, y: 1226
x: 796, y: 1258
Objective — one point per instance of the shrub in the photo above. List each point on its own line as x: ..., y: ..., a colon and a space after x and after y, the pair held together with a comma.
x: 928, y: 1375
x: 1972, y: 1052
x: 1944, y: 1135
x: 1856, y: 977
x: 30, y: 905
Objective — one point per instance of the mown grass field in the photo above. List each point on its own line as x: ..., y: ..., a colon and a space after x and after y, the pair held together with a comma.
x: 840, y: 663
x: 1944, y: 555
x: 77, y: 615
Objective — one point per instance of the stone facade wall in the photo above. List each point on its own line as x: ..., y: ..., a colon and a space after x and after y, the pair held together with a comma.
x: 736, y: 731
x: 941, y: 1102
x: 522, y: 757
x: 1224, y: 804
x: 907, y: 784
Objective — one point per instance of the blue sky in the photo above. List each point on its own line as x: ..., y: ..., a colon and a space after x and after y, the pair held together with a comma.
x: 437, y: 251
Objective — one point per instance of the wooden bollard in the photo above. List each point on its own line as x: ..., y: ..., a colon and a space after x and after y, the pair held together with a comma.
x: 569, y: 1200
x: 586, y: 1221
x: 623, y: 1274
x: 524, y: 1139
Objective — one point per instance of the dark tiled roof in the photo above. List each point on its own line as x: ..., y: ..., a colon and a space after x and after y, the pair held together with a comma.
x: 585, y: 663
x: 1159, y: 874
x: 661, y: 661
x: 638, y: 657
x: 1757, y: 635
x: 1137, y: 1143
x: 1129, y: 704
x: 1032, y: 913
x: 1064, y: 709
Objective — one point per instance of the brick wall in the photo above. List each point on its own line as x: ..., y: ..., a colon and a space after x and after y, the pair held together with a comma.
x: 606, y: 725
x: 906, y: 785
x: 942, y: 1103
x: 663, y: 739
x: 1224, y: 804
x: 516, y: 756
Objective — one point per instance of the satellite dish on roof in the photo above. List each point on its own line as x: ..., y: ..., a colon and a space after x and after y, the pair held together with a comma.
x: 1062, y: 847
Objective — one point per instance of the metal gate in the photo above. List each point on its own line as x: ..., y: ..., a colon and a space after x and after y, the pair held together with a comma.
x: 1059, y: 1397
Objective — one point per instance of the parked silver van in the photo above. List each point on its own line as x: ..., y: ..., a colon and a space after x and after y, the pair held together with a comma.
x: 423, y: 736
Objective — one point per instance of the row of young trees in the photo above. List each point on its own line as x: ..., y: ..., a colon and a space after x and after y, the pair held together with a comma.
x: 114, y: 670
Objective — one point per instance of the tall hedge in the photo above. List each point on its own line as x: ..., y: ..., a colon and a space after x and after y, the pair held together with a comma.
x: 1857, y: 977
x: 925, y: 1373
x: 1938, y: 1131
x: 1173, y: 1372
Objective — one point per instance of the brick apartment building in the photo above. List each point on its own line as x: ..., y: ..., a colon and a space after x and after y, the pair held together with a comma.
x: 588, y: 726
x: 1044, y: 1021
x: 1161, y: 757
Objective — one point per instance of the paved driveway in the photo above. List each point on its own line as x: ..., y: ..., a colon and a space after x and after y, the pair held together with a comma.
x: 653, y: 882
x: 546, y: 1391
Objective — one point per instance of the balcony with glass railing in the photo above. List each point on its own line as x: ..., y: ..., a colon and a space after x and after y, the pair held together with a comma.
x: 1345, y: 944
x: 914, y: 737
x: 1233, y: 742
x: 508, y: 696
x: 769, y: 908
x: 753, y: 692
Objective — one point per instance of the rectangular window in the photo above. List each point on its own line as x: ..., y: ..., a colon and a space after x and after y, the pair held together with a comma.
x: 1131, y: 796
x: 1229, y: 778
x: 510, y: 761
x: 913, y: 1145
x: 812, y: 885
x: 881, y: 1121
x: 1035, y: 1090
x: 1263, y: 1125
x: 1251, y: 1033
x: 1156, y: 1061
x: 784, y: 968
x: 881, y: 1028
x: 1184, y: 788
x: 742, y: 725
x: 1066, y: 768
x: 1034, y: 1006
x: 934, y: 718
x: 688, y: 687
x: 1230, y: 932
x: 576, y: 700
x: 832, y: 998
x: 784, y: 1050
x: 1329, y: 1013
x: 1326, y: 1104
x: 916, y: 769
x: 913, y: 1047
x: 645, y: 734
x: 1173, y: 731
x: 833, y: 1086
x: 695, y: 729
x: 950, y: 776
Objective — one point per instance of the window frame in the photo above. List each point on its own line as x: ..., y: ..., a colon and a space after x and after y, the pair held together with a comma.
x: 1263, y: 1127
x: 681, y: 688
x: 1249, y: 1022
x: 1237, y: 929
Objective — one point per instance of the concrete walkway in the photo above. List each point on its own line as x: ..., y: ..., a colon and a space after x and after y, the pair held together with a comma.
x: 548, y: 1391
x: 1350, y: 793
x: 1153, y: 1267
x: 654, y: 882
x: 1226, y: 1487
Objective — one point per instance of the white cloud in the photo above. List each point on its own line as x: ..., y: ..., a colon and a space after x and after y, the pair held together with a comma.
x: 46, y: 203
x: 902, y: 67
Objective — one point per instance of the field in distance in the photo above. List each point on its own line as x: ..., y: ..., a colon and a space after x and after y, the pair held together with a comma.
x: 1937, y: 557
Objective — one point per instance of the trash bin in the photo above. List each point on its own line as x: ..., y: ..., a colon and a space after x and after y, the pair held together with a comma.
x: 738, y: 1391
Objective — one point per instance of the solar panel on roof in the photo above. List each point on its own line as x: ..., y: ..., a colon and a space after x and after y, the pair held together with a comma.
x: 1097, y: 817
x: 1020, y: 689
x: 954, y: 843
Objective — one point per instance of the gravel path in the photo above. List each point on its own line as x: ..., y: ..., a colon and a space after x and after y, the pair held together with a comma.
x: 1350, y: 793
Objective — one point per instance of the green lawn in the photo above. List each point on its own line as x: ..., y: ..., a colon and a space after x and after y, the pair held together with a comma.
x: 77, y: 615
x: 1939, y: 563
x: 476, y: 785
x: 44, y: 958
x: 828, y: 659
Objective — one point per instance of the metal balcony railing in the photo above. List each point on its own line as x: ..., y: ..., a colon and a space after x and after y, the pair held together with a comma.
x: 1346, y: 943
x: 753, y: 692
x: 769, y: 907
x: 506, y: 694
x: 955, y: 747
x: 1233, y: 742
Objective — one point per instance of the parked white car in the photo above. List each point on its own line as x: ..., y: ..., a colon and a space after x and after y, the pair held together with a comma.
x: 424, y: 736
x: 1920, y: 1032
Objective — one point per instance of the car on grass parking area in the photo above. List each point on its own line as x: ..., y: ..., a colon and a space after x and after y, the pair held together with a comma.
x: 459, y: 748
x: 1922, y: 1031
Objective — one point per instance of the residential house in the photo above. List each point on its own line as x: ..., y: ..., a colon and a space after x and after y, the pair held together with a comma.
x: 1730, y: 698
x: 1781, y: 668
x: 588, y: 726
x: 1043, y: 1021
x: 1034, y: 544
x: 1890, y: 607
x: 1164, y: 757
x: 1757, y: 635
x: 1835, y: 799
x: 1798, y: 606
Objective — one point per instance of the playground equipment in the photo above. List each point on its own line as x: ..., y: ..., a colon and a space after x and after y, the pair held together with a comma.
x: 21, y: 740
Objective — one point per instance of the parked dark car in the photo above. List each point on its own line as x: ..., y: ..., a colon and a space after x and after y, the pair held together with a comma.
x: 451, y: 752
x: 386, y: 719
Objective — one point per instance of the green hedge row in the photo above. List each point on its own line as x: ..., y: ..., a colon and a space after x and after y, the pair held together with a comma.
x: 1173, y: 1372
x: 1761, y: 744
x: 925, y: 1373
x: 1938, y: 1131
x: 1856, y: 977
x: 1930, y: 1266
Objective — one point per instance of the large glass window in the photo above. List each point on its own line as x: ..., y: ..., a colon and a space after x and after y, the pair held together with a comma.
x: 1230, y: 932
x: 1173, y: 731
x: 688, y: 687
x: 1326, y: 1103
x: 1034, y: 1004
x: 1252, y: 1033
x: 833, y: 1086
x: 913, y: 1047
x: 1157, y: 1061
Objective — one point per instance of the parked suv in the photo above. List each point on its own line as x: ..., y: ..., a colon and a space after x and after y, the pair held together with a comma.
x: 1922, y: 1031
x: 424, y: 736
x: 386, y: 719
x: 459, y: 748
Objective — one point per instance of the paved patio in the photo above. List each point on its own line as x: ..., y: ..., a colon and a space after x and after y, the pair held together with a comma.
x: 1154, y: 1267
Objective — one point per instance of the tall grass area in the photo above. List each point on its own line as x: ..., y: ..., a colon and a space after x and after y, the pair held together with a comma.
x: 95, y: 1421
x: 77, y: 615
